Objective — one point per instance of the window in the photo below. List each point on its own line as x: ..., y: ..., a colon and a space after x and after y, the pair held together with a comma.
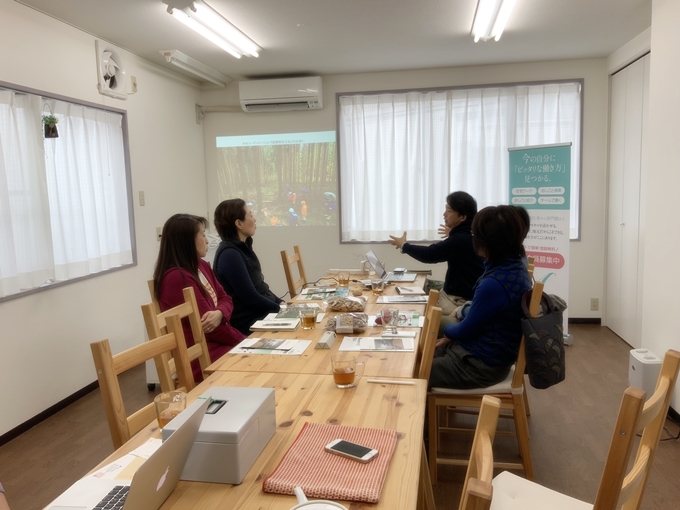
x: 65, y: 203
x: 401, y: 153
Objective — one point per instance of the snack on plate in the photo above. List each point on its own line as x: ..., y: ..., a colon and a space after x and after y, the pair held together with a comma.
x: 346, y: 304
x: 357, y: 321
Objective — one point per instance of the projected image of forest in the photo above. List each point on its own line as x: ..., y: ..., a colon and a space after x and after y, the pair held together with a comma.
x: 288, y: 180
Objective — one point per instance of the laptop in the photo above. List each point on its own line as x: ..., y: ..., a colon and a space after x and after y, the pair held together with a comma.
x: 152, y: 483
x: 384, y: 275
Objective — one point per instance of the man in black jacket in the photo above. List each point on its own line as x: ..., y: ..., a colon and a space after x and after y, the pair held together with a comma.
x: 464, y: 265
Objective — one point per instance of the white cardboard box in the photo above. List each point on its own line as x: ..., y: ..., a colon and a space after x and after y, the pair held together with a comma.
x: 230, y: 440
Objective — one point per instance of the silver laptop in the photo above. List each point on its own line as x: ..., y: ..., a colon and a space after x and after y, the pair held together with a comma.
x: 152, y: 483
x: 384, y: 275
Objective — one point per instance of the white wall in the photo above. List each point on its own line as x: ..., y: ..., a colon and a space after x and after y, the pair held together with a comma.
x: 320, y: 246
x: 44, y: 338
x: 661, y: 277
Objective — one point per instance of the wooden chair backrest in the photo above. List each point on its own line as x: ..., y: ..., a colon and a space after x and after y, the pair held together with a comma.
x: 618, y: 489
x: 108, y: 366
x: 477, y: 489
x: 426, y: 345
x: 432, y: 300
x: 156, y: 326
x: 152, y: 292
x: 294, y: 285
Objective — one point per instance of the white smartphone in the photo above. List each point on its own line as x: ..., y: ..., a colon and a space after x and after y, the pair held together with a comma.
x: 351, y: 450
x: 399, y: 270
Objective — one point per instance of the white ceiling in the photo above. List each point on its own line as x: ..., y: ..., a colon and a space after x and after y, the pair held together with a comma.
x: 321, y: 37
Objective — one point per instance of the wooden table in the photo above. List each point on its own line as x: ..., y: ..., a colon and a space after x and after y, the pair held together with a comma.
x: 318, y: 361
x: 312, y: 398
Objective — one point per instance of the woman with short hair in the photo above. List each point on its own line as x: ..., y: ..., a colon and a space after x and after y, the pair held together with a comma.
x: 479, y: 351
x: 237, y: 267
x: 180, y: 264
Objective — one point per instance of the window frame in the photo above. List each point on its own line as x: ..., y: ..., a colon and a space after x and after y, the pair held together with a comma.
x: 128, y: 186
x: 338, y: 95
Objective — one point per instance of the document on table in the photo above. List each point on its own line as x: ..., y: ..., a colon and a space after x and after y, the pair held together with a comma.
x: 367, y: 343
x: 271, y: 346
x: 410, y: 291
x: 402, y: 299
x: 271, y: 323
x: 320, y: 293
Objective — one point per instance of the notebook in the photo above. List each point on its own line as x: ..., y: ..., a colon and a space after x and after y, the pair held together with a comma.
x: 153, y: 482
x: 388, y: 277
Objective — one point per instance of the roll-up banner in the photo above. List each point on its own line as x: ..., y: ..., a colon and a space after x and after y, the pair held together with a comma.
x: 540, y: 179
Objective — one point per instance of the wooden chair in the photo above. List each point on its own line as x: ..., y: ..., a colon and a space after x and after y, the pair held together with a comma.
x: 509, y: 392
x: 477, y: 488
x: 108, y: 368
x: 617, y: 489
x: 426, y: 345
x: 425, y: 350
x: 294, y: 285
x: 155, y: 322
x: 432, y: 300
x: 530, y: 267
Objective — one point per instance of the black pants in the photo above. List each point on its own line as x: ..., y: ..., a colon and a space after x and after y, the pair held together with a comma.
x: 454, y: 367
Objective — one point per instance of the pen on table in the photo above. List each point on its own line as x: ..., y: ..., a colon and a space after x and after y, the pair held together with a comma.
x: 391, y: 381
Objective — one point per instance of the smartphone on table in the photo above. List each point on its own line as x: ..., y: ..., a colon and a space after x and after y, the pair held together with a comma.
x: 351, y: 450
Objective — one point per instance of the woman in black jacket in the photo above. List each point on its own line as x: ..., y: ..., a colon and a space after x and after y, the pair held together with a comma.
x: 237, y: 267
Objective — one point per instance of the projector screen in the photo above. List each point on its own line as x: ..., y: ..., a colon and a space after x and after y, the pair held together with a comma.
x: 287, y: 179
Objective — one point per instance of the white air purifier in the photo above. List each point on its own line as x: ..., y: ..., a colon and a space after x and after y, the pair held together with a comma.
x: 643, y: 370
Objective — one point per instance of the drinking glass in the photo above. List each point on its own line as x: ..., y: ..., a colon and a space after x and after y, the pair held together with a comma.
x: 168, y: 405
x: 389, y: 317
x: 343, y: 278
x: 308, y: 318
x: 346, y: 370
x: 378, y: 286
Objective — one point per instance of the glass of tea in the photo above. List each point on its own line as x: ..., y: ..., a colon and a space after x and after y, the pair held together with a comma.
x: 343, y: 278
x: 378, y: 286
x: 308, y: 318
x: 346, y: 370
x: 168, y: 405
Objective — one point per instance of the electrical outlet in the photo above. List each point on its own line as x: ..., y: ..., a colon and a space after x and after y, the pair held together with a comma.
x: 594, y: 304
x: 159, y: 233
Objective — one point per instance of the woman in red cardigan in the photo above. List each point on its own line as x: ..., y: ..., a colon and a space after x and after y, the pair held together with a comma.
x: 180, y: 264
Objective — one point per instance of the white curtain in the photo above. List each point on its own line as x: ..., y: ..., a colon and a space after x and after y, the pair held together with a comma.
x: 401, y: 154
x: 87, y: 192
x: 63, y: 201
x: 25, y: 238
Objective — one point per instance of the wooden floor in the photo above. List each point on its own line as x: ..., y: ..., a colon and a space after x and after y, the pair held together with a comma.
x: 570, y: 426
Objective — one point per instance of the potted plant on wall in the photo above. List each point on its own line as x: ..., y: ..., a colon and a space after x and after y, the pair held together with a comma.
x: 50, y: 125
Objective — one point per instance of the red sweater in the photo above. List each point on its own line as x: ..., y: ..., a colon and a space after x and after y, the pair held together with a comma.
x: 224, y: 337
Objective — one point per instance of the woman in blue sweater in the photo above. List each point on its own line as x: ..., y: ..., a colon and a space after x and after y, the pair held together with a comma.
x: 479, y: 351
x: 237, y: 267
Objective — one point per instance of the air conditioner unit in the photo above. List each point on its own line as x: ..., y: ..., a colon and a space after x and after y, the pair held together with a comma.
x: 282, y: 95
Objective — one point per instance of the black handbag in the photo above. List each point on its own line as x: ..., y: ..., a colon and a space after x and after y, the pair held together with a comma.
x: 544, y: 341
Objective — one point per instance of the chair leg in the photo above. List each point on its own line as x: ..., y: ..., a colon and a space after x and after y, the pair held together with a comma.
x: 522, y: 429
x: 425, y: 496
x: 433, y: 432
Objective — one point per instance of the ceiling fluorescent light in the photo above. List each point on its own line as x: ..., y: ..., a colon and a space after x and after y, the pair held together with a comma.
x: 193, y: 66
x: 203, y: 19
x: 490, y: 19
